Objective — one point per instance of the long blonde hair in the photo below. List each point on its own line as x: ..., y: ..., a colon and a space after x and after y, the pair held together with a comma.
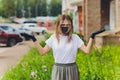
x: 58, y: 30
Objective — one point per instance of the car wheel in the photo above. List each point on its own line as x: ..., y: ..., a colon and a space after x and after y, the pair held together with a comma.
x: 11, y: 42
x: 37, y: 33
x: 26, y: 38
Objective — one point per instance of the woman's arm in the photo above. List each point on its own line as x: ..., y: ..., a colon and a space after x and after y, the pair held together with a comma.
x: 87, y: 48
x: 42, y: 50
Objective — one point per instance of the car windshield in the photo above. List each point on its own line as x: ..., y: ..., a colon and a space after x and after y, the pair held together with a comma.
x: 21, y: 28
x: 7, y: 28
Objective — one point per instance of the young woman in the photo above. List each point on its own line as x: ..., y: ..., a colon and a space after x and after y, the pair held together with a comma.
x: 65, y: 45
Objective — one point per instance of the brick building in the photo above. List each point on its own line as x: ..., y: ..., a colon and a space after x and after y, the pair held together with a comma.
x: 96, y: 14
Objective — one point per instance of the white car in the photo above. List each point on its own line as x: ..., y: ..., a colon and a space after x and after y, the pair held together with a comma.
x: 34, y: 28
x: 23, y: 32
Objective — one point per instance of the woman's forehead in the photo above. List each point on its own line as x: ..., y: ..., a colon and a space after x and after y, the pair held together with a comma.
x: 65, y: 21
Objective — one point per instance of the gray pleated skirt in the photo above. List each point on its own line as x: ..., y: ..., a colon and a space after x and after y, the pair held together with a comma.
x: 65, y: 72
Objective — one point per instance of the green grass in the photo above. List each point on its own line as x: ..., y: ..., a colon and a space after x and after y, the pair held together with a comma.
x: 100, y: 64
x: 32, y: 62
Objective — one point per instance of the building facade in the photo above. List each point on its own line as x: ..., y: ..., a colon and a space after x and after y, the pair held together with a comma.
x: 95, y: 14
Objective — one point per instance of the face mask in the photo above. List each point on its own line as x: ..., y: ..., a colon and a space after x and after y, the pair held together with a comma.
x: 65, y: 30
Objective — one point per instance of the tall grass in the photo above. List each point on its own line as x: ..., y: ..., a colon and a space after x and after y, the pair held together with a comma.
x: 101, y: 64
x: 41, y: 66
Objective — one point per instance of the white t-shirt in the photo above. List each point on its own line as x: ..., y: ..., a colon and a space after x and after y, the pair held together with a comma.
x: 64, y: 51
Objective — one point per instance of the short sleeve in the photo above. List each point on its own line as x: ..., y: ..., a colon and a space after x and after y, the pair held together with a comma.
x: 79, y: 41
x: 49, y: 41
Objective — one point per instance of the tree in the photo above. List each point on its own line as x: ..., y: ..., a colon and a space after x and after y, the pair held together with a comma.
x: 8, y: 8
x: 55, y: 7
x: 38, y: 7
x: 23, y: 8
x: 1, y: 7
x: 42, y: 8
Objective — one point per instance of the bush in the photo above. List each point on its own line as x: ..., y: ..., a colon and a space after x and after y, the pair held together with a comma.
x: 48, y: 35
x: 81, y: 36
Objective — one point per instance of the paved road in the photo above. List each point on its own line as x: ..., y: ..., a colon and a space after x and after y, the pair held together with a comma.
x: 11, y: 56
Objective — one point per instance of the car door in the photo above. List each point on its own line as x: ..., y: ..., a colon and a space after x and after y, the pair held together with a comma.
x: 33, y: 28
x: 2, y: 36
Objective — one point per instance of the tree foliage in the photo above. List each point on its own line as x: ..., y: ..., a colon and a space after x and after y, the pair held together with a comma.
x: 29, y: 8
x: 55, y: 7
x: 7, y: 8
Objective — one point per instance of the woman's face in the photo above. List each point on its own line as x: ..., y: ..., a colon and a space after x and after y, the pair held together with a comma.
x: 65, y: 26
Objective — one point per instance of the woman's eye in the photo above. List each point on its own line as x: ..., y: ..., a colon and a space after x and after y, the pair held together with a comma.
x: 62, y: 24
x: 65, y: 24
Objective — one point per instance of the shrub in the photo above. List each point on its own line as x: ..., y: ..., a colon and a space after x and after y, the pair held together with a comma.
x: 81, y: 36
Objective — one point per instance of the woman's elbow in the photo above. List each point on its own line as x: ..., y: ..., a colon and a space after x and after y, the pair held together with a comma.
x: 43, y: 52
x: 87, y: 51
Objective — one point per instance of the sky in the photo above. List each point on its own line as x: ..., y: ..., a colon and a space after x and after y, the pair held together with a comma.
x: 48, y: 1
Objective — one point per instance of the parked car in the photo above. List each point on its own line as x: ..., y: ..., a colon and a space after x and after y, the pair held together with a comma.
x: 30, y: 21
x: 23, y: 32
x: 10, y: 38
x: 19, y: 30
x: 34, y: 28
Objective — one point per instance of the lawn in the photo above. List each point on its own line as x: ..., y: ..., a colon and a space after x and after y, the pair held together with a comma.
x: 100, y: 64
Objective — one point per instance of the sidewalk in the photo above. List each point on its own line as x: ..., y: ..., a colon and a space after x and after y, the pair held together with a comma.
x: 12, y: 56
